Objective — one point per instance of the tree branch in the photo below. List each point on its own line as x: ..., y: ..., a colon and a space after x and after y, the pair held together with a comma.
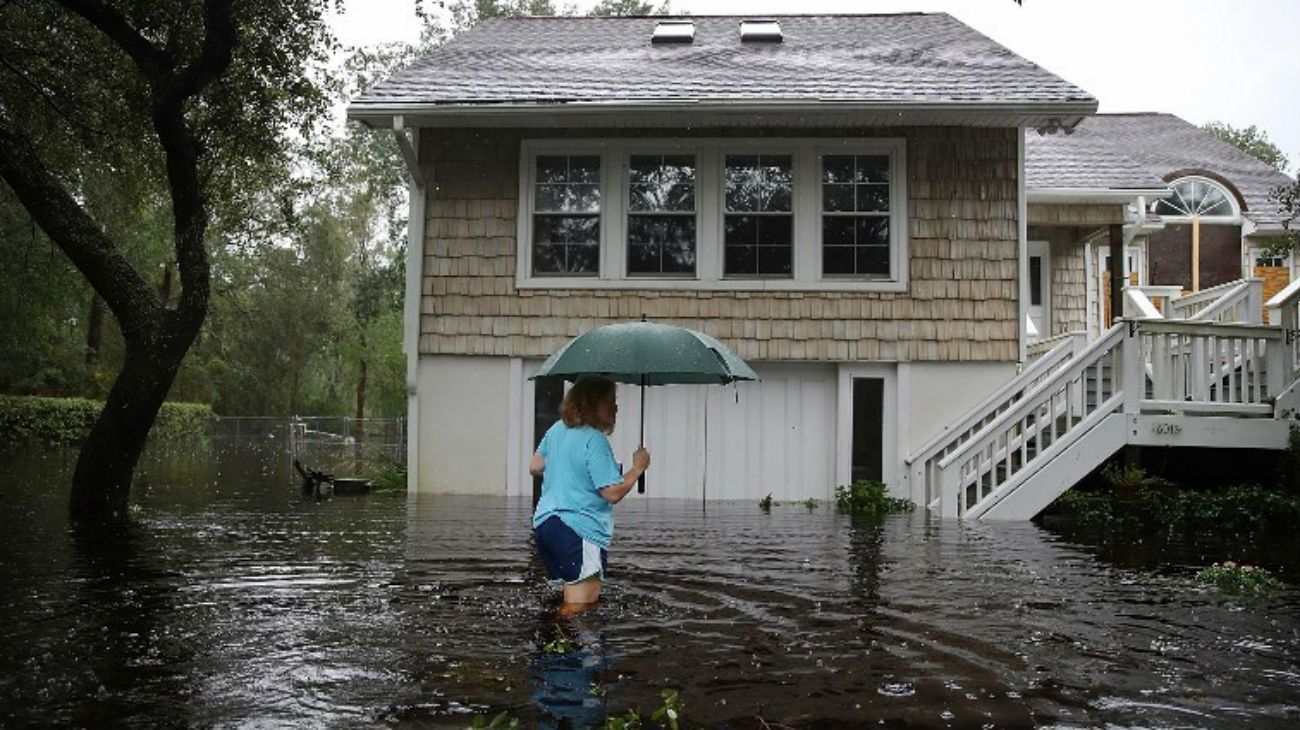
x: 153, y: 61
x: 75, y: 232
x: 219, y: 41
x: 49, y: 100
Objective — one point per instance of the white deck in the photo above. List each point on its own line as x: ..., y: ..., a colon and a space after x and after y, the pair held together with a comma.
x: 1217, y: 378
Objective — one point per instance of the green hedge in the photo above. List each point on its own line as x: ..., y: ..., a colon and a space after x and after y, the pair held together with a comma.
x: 66, y: 421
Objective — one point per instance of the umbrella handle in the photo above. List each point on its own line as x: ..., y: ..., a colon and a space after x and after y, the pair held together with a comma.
x: 640, y: 481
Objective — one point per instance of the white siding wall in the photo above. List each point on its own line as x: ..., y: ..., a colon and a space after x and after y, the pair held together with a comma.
x: 780, y: 436
x: 464, y: 424
x: 939, y: 393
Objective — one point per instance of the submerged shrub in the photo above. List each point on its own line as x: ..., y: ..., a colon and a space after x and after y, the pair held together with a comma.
x: 1239, y: 510
x: 389, y: 474
x: 1239, y: 580
x: 868, y: 498
x: 1124, y: 478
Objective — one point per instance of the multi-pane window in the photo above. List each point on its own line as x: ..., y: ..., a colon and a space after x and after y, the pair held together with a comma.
x: 855, y: 215
x: 758, y: 219
x: 774, y: 214
x: 1195, y: 197
x: 566, y: 215
x: 661, y: 214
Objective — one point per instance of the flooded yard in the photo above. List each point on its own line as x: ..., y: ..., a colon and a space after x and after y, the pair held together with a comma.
x: 233, y: 601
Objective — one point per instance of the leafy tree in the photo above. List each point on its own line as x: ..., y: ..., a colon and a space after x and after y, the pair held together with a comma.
x: 1288, y: 198
x: 172, y: 100
x: 1251, y: 140
x: 630, y: 7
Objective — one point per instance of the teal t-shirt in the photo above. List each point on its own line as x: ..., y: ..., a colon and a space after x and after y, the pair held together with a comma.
x: 579, y: 463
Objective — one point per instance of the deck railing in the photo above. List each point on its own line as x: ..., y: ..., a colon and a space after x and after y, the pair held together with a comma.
x: 1139, y: 366
x: 1284, y: 312
x: 1211, y: 368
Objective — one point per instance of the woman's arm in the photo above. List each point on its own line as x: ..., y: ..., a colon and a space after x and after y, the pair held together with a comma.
x: 615, y: 493
x: 537, y: 465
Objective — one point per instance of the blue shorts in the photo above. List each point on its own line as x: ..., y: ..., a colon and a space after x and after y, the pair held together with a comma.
x: 567, y: 556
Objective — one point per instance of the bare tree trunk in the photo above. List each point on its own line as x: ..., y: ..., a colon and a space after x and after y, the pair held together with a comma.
x: 101, y: 483
x: 361, y: 382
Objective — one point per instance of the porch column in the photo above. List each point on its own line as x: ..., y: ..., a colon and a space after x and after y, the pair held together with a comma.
x: 1117, y: 280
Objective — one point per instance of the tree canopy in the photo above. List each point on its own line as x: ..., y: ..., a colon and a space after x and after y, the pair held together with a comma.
x: 1251, y: 140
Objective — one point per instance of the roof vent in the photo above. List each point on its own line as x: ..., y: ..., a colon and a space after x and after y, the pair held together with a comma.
x: 674, y: 31
x: 766, y: 30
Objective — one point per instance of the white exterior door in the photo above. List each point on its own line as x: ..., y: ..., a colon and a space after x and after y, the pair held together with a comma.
x: 1040, y: 280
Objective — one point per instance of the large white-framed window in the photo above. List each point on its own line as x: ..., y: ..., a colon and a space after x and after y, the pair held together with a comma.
x: 712, y: 213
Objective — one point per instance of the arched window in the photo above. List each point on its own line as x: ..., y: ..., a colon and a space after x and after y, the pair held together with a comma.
x: 1196, y: 197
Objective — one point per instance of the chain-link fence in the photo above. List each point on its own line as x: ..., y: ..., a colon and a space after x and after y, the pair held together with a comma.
x: 337, y: 445
x: 344, y: 446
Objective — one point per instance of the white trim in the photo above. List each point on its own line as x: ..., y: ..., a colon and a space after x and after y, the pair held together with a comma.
x: 416, y: 192
x: 1090, y: 195
x: 1022, y: 250
x: 676, y: 112
x: 516, y: 443
x: 890, y: 455
x: 1234, y: 219
x: 1091, y: 290
x: 1043, y: 248
x: 709, y: 152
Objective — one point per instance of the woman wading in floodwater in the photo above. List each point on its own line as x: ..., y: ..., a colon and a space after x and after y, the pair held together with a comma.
x: 581, y: 483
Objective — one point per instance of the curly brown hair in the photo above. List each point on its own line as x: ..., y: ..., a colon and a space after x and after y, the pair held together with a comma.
x: 579, y: 408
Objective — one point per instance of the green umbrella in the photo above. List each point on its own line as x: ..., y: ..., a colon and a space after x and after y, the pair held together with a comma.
x: 647, y: 353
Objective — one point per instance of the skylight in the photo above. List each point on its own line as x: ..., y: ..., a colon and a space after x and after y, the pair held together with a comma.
x: 760, y: 30
x: 674, y: 31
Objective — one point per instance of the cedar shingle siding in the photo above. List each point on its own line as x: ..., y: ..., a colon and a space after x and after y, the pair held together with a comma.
x: 961, y: 304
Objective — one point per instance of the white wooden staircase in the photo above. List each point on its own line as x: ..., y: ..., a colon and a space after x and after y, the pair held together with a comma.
x: 1214, y: 378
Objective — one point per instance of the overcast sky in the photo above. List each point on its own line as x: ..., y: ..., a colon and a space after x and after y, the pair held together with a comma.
x: 1236, y: 62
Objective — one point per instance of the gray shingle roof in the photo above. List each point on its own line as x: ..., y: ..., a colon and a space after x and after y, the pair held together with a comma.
x: 1160, y: 145
x: 1083, y: 160
x: 910, y: 58
x: 1166, y: 144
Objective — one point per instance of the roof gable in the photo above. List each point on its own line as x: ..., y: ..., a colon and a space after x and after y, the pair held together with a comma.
x: 823, y: 59
x: 1167, y: 146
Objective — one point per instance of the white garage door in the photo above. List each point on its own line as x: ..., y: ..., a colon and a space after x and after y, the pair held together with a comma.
x: 745, y: 441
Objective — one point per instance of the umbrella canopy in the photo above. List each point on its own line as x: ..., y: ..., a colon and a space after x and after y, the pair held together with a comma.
x: 647, y: 353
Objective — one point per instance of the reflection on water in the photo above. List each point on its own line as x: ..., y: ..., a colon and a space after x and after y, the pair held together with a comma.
x: 231, y: 600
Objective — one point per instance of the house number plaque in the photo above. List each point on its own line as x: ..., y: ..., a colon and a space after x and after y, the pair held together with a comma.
x: 1167, y: 429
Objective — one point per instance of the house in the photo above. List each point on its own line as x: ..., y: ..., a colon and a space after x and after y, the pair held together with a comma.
x: 843, y: 199
x: 1215, y: 225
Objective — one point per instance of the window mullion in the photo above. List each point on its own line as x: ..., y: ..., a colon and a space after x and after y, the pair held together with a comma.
x: 807, y: 218
x: 708, y: 205
x: 613, y: 247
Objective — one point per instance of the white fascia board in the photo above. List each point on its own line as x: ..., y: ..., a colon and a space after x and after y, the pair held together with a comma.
x: 1091, y: 195
x: 425, y: 114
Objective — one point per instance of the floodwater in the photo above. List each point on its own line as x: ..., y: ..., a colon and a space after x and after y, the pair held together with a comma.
x: 231, y: 601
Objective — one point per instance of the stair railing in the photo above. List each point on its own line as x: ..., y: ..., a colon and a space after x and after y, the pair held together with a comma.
x: 1043, y: 422
x: 1138, y: 304
x: 922, y: 464
x: 1240, y: 301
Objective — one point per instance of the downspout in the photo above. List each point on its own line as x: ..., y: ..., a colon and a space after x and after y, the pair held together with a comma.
x: 409, y: 147
x: 1022, y: 255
